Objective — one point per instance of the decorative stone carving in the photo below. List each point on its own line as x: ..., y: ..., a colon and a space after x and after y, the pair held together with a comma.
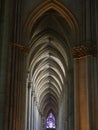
x: 84, y: 50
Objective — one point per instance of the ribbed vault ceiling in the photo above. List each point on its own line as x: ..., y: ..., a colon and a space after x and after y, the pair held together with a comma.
x: 48, y: 63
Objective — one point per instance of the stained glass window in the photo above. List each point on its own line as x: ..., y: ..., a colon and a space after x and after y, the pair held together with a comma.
x: 50, y: 121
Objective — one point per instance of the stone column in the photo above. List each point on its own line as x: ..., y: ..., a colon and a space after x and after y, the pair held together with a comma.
x: 84, y: 89
x: 37, y: 118
x: 26, y: 102
x: 40, y: 125
x: 96, y: 102
x: 29, y: 105
x: 32, y: 111
x: 92, y: 85
x: 88, y: 20
x: 81, y: 94
x: 4, y: 10
x: 76, y: 95
x: 43, y: 123
x: 34, y: 119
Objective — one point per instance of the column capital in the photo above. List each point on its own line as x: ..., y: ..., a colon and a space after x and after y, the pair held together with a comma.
x: 34, y: 98
x: 84, y: 50
x: 30, y: 84
x: 40, y: 112
x: 33, y: 93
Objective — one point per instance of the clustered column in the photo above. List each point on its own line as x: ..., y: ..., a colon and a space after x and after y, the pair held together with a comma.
x: 33, y: 117
x: 84, y: 89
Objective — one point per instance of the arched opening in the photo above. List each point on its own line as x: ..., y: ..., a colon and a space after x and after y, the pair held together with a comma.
x: 50, y: 71
x: 46, y: 67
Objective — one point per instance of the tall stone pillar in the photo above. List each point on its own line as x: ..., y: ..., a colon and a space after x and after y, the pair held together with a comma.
x: 40, y: 125
x: 81, y: 95
x: 3, y: 59
x: 96, y: 16
x: 88, y: 20
x: 29, y: 105
x: 32, y: 111
x: 84, y: 89
x: 26, y: 102
x: 43, y: 123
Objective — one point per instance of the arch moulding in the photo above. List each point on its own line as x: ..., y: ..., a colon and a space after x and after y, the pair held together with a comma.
x: 58, y: 7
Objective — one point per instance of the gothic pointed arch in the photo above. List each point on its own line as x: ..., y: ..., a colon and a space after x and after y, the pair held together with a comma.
x: 45, y: 6
x: 50, y: 28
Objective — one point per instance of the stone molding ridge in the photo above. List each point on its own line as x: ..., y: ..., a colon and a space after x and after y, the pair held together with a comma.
x: 21, y: 47
x: 84, y: 50
x: 78, y: 51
